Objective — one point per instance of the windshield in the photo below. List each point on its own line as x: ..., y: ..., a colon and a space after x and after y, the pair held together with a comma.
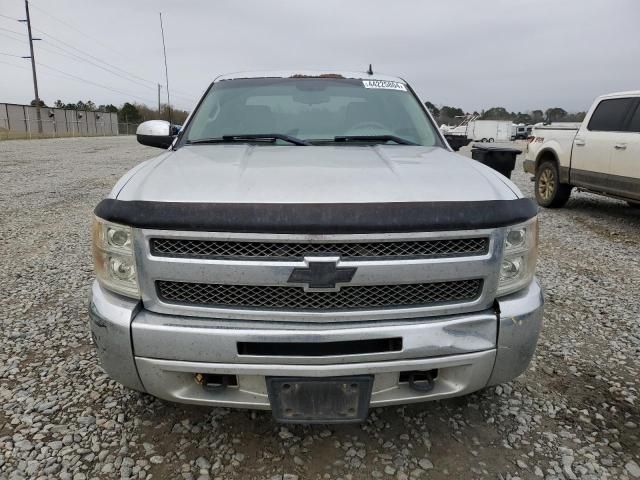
x: 314, y: 110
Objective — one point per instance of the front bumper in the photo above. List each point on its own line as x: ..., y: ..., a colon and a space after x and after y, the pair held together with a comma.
x: 161, y: 354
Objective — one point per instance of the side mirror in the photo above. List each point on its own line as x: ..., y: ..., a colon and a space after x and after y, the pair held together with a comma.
x: 156, y: 133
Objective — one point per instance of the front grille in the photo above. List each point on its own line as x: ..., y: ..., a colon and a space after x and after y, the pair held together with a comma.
x: 171, y: 247
x: 295, y: 298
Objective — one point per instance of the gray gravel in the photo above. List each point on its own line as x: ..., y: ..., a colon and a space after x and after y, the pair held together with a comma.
x: 574, y: 414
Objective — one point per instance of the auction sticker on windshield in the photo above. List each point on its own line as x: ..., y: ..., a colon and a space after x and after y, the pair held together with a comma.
x: 385, y: 84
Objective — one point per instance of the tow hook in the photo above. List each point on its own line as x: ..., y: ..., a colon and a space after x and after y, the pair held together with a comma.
x: 215, y: 382
x: 421, y: 381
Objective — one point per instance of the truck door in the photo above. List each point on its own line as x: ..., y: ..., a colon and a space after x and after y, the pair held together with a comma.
x: 624, y: 177
x: 593, y: 145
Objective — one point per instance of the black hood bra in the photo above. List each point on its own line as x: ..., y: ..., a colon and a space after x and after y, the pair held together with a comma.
x: 318, y: 218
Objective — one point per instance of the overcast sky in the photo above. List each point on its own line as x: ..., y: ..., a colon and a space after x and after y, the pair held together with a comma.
x: 473, y: 54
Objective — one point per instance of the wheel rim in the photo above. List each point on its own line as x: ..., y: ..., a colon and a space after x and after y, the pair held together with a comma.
x: 546, y: 184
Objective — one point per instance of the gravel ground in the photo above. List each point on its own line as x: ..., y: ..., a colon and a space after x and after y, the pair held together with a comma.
x: 574, y: 414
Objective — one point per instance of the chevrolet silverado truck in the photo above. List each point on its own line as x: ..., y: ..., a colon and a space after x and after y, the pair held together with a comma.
x: 601, y: 155
x: 308, y: 243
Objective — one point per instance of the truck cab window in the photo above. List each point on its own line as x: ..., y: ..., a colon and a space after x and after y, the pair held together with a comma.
x: 634, y: 125
x: 610, y: 115
x: 315, y: 110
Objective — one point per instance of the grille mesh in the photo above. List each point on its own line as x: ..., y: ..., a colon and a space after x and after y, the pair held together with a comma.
x: 170, y: 247
x: 295, y: 298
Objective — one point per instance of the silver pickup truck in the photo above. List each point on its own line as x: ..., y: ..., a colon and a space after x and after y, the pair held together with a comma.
x: 308, y: 243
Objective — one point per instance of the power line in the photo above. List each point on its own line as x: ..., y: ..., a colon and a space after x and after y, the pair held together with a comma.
x: 10, y: 18
x: 78, y: 58
x: 73, y: 56
x: 14, y: 32
x: 75, y: 48
x: 67, y: 54
x: 79, y: 79
x: 99, y: 42
x: 20, y: 40
x: 177, y: 93
x: 11, y: 55
x: 92, y: 56
x: 75, y: 77
x: 14, y: 65
x: 98, y: 59
x: 184, y: 95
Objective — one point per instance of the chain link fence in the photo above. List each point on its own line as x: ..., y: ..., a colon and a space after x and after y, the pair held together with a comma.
x: 21, y: 121
x: 127, y: 128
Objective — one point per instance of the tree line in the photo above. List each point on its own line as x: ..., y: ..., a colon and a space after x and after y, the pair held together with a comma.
x: 452, y: 115
x: 128, y: 112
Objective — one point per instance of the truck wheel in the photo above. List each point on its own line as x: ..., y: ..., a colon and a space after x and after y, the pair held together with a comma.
x: 491, y: 140
x: 484, y: 140
x: 550, y: 192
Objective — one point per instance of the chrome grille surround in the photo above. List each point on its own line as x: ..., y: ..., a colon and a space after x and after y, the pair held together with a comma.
x: 193, y: 248
x: 371, y: 271
x: 295, y: 298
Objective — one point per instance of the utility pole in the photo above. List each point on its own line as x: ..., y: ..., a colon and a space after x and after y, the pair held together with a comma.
x: 33, y: 67
x: 159, y: 111
x: 166, y: 70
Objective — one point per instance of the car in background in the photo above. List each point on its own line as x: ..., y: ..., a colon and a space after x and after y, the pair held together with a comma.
x: 520, y: 131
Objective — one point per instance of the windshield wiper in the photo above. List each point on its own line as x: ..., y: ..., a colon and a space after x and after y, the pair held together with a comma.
x: 373, y: 138
x: 269, y: 137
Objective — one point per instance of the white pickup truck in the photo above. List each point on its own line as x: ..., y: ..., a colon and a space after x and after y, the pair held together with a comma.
x: 601, y: 155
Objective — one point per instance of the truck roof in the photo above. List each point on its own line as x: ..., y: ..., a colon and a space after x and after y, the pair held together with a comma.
x: 307, y: 73
x: 630, y: 93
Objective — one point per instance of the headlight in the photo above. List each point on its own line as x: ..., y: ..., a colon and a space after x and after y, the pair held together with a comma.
x: 520, y: 254
x: 113, y: 257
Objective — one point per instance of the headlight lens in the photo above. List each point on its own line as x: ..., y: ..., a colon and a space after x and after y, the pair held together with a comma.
x: 113, y: 257
x: 520, y: 254
x: 118, y: 237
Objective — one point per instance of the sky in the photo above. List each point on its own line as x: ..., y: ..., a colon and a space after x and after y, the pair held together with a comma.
x: 472, y: 54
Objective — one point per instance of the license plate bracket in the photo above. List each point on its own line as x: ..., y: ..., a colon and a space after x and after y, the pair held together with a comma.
x: 320, y: 400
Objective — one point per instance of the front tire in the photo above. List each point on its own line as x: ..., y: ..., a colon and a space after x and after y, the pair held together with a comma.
x: 550, y: 193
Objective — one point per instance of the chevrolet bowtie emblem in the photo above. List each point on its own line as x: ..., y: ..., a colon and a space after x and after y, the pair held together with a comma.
x: 323, y: 274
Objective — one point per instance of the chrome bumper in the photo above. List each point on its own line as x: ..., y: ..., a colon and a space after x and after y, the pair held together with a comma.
x: 161, y: 354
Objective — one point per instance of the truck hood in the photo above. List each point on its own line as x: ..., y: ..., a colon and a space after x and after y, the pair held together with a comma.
x: 314, y: 174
